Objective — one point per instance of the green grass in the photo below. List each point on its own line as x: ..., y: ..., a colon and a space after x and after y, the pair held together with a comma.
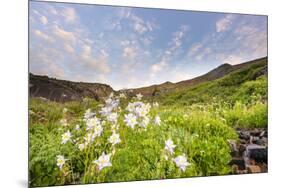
x: 200, y: 120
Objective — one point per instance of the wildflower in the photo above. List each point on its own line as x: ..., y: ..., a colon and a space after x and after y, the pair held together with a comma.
x: 81, y: 146
x: 89, y: 138
x: 142, y: 110
x: 144, y: 122
x: 103, y: 161
x: 63, y: 122
x: 98, y: 130
x: 122, y: 95
x: 60, y: 161
x: 105, y: 110
x: 139, y: 96
x: 65, y: 137
x: 169, y: 146
x: 157, y: 120
x: 91, y: 123
x: 64, y: 110
x: 114, y: 139
x: 88, y: 114
x: 130, y: 120
x: 77, y: 127
x: 112, y: 117
x: 155, y: 104
x: 181, y: 162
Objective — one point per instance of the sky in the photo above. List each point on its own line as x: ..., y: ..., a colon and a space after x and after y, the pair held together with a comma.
x: 129, y: 47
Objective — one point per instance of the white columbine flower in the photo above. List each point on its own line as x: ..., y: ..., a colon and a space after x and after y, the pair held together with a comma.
x: 131, y: 120
x: 170, y: 146
x: 65, y: 137
x: 93, y: 122
x: 88, y: 114
x: 105, y: 110
x: 122, y: 95
x: 89, y: 138
x: 98, y: 130
x: 144, y: 122
x: 60, y: 161
x: 77, y: 127
x: 81, y: 146
x: 103, y: 161
x: 155, y: 104
x: 114, y: 139
x: 139, y: 96
x: 157, y: 120
x: 181, y: 162
x: 112, y: 117
x: 64, y: 110
x: 63, y: 122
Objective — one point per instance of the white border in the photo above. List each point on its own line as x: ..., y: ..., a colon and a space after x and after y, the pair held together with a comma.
x: 14, y: 56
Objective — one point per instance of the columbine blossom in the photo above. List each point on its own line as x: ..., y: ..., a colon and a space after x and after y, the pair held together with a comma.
x: 112, y: 117
x: 88, y: 114
x: 77, y: 127
x: 89, y: 138
x: 63, y: 122
x: 114, y: 138
x: 157, y: 120
x: 155, y: 104
x: 65, y: 137
x: 181, y: 162
x: 131, y: 120
x: 64, y: 110
x: 105, y: 111
x: 81, y: 146
x: 60, y: 161
x: 122, y: 95
x: 103, y: 161
x: 170, y: 146
x: 139, y: 96
x: 98, y: 130
x: 93, y: 122
x: 144, y: 122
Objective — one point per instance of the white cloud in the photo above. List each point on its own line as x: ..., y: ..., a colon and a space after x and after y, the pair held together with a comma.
x: 69, y: 15
x: 178, y: 37
x: 194, y: 49
x: 42, y: 35
x: 64, y: 35
x: 158, y: 67
x: 129, y: 52
x: 99, y: 63
x: 43, y: 20
x: 224, y: 23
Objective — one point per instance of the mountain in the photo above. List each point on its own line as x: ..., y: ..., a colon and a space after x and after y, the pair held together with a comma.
x: 61, y: 90
x: 216, y: 73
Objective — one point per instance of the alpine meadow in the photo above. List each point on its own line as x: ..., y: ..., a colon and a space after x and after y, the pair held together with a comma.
x: 117, y: 94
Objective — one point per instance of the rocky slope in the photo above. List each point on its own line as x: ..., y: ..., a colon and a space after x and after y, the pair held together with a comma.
x: 62, y: 90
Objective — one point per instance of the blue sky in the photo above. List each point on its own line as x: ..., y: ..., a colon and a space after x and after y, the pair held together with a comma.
x: 134, y: 47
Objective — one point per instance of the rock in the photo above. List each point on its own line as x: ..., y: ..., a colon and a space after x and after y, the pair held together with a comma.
x: 239, y: 162
x: 256, y: 152
x: 233, y: 147
x: 244, y: 135
x: 254, y: 169
x: 255, y: 132
x: 242, y: 148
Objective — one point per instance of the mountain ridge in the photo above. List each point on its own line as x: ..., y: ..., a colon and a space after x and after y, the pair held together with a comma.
x: 62, y: 90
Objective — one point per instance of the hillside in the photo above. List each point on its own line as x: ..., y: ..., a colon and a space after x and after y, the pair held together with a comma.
x: 244, y: 82
x: 216, y: 73
x: 62, y: 90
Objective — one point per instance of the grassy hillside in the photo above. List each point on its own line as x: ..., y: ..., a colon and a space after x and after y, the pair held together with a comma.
x: 200, y: 121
